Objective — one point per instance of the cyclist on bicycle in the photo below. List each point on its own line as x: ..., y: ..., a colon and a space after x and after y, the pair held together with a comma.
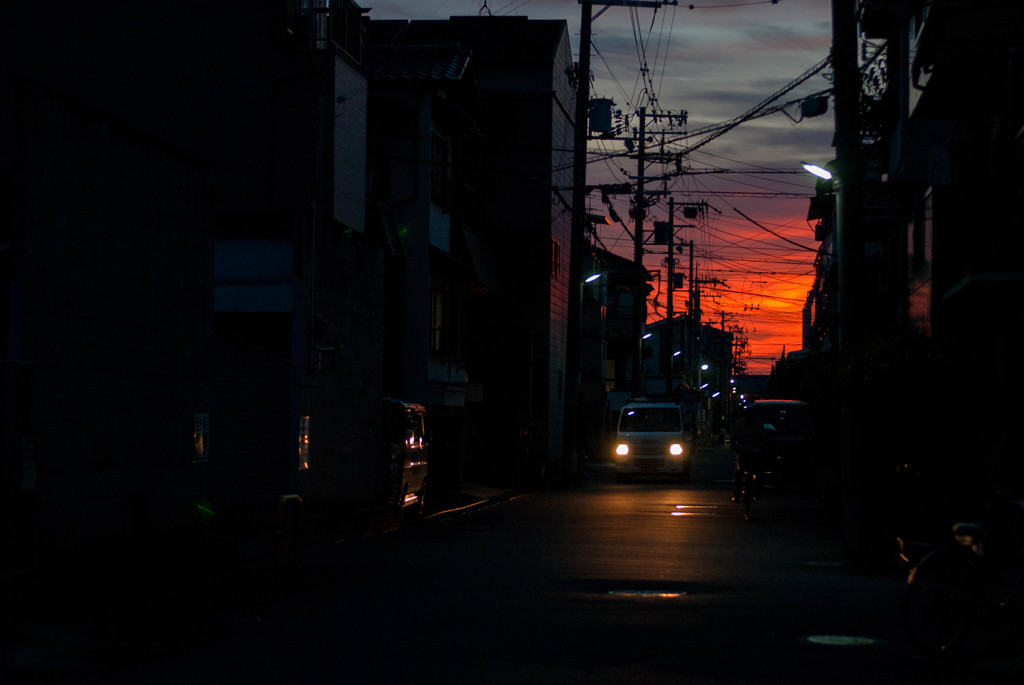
x: 749, y: 441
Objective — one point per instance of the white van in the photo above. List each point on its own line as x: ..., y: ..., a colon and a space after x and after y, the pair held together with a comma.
x: 652, y: 440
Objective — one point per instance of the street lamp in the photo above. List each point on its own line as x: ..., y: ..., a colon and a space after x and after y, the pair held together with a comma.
x: 819, y: 171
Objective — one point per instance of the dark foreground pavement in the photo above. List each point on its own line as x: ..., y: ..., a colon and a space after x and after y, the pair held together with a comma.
x: 119, y: 607
x: 113, y: 617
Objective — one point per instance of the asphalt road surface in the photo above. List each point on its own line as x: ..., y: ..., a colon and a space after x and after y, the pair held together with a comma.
x: 648, y: 582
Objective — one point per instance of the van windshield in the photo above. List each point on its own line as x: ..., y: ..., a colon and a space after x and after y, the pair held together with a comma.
x: 650, y: 420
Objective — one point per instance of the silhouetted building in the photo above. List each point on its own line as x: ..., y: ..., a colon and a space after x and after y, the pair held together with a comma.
x: 422, y: 128
x: 226, y: 235
x: 941, y: 137
x: 193, y: 309
x: 516, y: 203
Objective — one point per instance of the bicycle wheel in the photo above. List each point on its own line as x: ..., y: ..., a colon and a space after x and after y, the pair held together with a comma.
x: 938, y: 605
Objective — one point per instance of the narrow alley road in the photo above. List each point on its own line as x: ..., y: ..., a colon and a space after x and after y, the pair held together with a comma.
x: 598, y: 583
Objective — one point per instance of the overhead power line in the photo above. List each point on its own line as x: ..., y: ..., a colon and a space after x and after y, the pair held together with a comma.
x: 781, y: 237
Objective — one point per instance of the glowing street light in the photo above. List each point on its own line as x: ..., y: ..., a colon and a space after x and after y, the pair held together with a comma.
x: 819, y: 171
x: 591, y: 278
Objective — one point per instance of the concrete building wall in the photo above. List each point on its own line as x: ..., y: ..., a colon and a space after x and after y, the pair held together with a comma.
x: 561, y: 146
x: 340, y: 384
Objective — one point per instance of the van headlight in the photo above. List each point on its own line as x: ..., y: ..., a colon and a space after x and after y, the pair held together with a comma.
x: 622, y: 449
x: 675, y: 449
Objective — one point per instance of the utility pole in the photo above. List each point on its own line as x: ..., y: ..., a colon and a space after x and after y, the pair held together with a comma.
x: 640, y: 295
x: 577, y: 247
x: 696, y: 285
x: 668, y: 337
x: 671, y: 295
x: 639, y: 214
x: 578, y: 235
x: 849, y: 238
x: 690, y: 348
x: 850, y: 246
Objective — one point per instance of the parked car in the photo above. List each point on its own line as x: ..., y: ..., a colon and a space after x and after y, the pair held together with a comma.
x: 652, y: 440
x: 790, y: 434
x: 406, y: 453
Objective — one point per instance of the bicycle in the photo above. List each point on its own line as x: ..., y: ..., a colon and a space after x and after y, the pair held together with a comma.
x: 958, y: 599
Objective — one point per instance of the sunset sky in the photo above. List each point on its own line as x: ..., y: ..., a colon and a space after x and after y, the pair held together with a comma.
x: 719, y: 60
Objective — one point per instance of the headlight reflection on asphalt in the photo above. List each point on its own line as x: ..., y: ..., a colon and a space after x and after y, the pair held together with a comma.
x: 694, y: 510
x: 659, y: 594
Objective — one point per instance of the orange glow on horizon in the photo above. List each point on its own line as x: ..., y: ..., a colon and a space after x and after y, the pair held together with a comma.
x: 755, y: 282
